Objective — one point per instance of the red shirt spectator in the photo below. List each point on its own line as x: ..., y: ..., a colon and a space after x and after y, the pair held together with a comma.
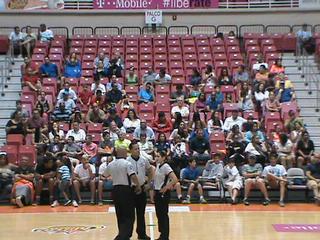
x: 162, y: 124
x: 85, y: 96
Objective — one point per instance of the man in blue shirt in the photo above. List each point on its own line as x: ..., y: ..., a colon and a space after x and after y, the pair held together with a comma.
x: 303, y: 36
x: 49, y: 69
x: 190, y: 177
x: 146, y: 94
x: 215, y: 100
x: 284, y: 93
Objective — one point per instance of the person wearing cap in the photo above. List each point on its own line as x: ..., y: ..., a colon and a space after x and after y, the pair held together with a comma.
x: 143, y: 128
x: 66, y: 89
x: 234, y: 119
x: 252, y: 175
x: 132, y: 78
x: 68, y: 102
x: 213, y: 170
x: 125, y: 185
x: 180, y: 108
x: 146, y: 94
x: 95, y: 114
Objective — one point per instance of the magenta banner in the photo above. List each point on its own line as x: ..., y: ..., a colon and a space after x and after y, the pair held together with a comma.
x: 297, y: 227
x: 155, y: 4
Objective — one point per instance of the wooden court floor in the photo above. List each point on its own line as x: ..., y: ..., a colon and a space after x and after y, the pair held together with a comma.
x: 194, y: 222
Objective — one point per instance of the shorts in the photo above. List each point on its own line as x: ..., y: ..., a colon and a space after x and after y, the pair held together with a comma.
x: 236, y: 184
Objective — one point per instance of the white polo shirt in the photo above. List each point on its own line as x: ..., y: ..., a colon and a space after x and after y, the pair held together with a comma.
x: 162, y: 171
x: 84, y: 173
x: 141, y: 167
x: 120, y: 170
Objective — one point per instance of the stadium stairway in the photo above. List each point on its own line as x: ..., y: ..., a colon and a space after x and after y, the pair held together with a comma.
x: 10, y: 95
x: 306, y: 94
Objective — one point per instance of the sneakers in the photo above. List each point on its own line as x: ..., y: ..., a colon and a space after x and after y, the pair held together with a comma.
x: 203, y: 201
x: 19, y: 201
x: 186, y: 201
x: 68, y: 202
x: 74, y: 203
x: 281, y: 203
x: 92, y: 202
x: 55, y: 204
x: 100, y: 203
x: 266, y: 202
x: 246, y: 202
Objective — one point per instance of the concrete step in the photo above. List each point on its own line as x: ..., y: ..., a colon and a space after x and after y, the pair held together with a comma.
x: 307, y: 102
x: 311, y: 120
x: 10, y: 96
x: 308, y: 112
x: 8, y: 104
x: 305, y: 94
x: 5, y: 113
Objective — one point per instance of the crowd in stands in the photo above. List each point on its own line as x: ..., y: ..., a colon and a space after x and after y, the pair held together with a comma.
x: 77, y: 131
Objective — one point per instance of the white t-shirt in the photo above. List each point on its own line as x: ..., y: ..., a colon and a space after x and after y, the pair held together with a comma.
x: 232, y: 173
x: 162, y: 171
x: 127, y: 123
x: 277, y: 170
x: 260, y: 96
x: 79, y: 136
x: 16, y: 37
x: 101, y: 87
x: 84, y: 173
x: 230, y: 122
x: 256, y: 66
x: 184, y: 111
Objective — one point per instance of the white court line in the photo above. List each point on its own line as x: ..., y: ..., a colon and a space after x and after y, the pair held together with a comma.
x: 151, y: 225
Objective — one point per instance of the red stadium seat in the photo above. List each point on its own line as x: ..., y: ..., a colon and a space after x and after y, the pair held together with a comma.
x: 12, y: 153
x: 94, y: 128
x: 96, y: 138
x: 255, y: 115
x: 15, y: 139
x: 271, y: 117
x: 289, y: 42
x: 146, y: 108
x: 163, y: 107
x: 217, y: 137
x: 218, y: 147
x: 229, y: 108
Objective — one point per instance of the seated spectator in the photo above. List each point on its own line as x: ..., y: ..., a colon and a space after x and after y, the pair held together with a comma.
x: 131, y: 122
x: 30, y: 74
x: 252, y: 180
x: 182, y: 131
x: 214, y: 170
x: 285, y: 91
x: 247, y: 126
x: 97, y: 85
x: 113, y: 117
x: 113, y: 80
x: 45, y: 174
x: 179, y: 156
x: 90, y: 149
x: 6, y: 174
x: 178, y: 93
x: 275, y: 175
x: 100, y: 71
x: 84, y: 176
x: 114, y: 131
x: 272, y: 104
x: 54, y: 130
x: 99, y: 99
x: 215, y: 100
x: 46, y: 35
x: 105, y: 183
x: 125, y: 105
x: 162, y: 124
x: 23, y: 191
x: 257, y: 148
x: 46, y: 106
x: 190, y: 178
x: 196, y: 122
x: 313, y: 175
x: 15, y: 124
x: 235, y: 138
x: 77, y: 116
x: 95, y: 114
x: 234, y: 119
x: 72, y: 150
x: 28, y: 43
x: 292, y: 121
x: 275, y: 134
x: 150, y: 76
x: 246, y: 103
x: 77, y: 133
x: 214, y: 124
x: 61, y: 113
x: 261, y: 95
x: 181, y: 108
x: 49, y: 69
x: 113, y: 97
x: 162, y: 77
x: 55, y: 147
x: 200, y: 147
x: 241, y: 75
x: 232, y: 181
x: 228, y: 98
x: 303, y: 38
x: 146, y: 147
x: 106, y: 146
x: 162, y: 144
x: 122, y: 142
x: 260, y: 61
x: 262, y: 76
x: 305, y: 149
x: 285, y: 151
x: 209, y: 77
x: 200, y: 104
x: 36, y: 123
x: 277, y: 67
x: 16, y: 39
x: 296, y: 133
x: 85, y: 96
x: 103, y: 58
x: 132, y: 77
x: 177, y: 119
x: 254, y: 131
x: 195, y: 78
x: 72, y: 67
x: 224, y: 78
x: 68, y: 102
x: 115, y: 69
x: 66, y: 89
x: 143, y: 128
x: 146, y: 94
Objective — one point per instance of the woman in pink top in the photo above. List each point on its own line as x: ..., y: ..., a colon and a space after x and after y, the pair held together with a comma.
x: 91, y: 149
x: 272, y: 104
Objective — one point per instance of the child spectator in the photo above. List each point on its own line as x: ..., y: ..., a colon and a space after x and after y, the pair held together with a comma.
x: 233, y: 182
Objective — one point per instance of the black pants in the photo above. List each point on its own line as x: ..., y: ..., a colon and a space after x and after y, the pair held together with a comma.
x: 140, y: 206
x: 162, y: 209
x: 123, y: 197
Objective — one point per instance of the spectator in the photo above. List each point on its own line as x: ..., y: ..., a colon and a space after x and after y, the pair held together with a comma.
x: 125, y: 105
x: 84, y: 176
x: 292, y: 121
x: 254, y: 132
x: 68, y: 101
x: 209, y: 77
x: 95, y: 114
x: 162, y: 77
x: 303, y: 37
x: 36, y: 123
x: 162, y: 124
x: 23, y: 189
x: 131, y: 122
x: 296, y: 133
x: 85, y: 96
x: 146, y: 147
x: 190, y: 178
x: 28, y: 43
x: 181, y: 108
x: 272, y: 104
x: 55, y: 147
x: 113, y: 97
x: 214, y: 170
x: 77, y: 116
x: 114, y: 131
x: 6, y: 174
x: 91, y: 150
x: 54, y: 131
x: 106, y: 147
x: 262, y: 76
x: 99, y: 99
x: 49, y: 69
x: 233, y: 120
x: 177, y: 119
x: 305, y: 149
x: 100, y: 71
x: 246, y: 102
x: 122, y: 142
x: 285, y: 90
x: 146, y: 94
x: 200, y: 147
x: 285, y: 151
x: 132, y: 77
x: 182, y: 131
x: 277, y: 67
x: 215, y: 100
x: 149, y: 76
x: 72, y: 150
x: 115, y: 69
x: 72, y: 68
x: 104, y: 59
x: 46, y: 35
x: 98, y: 85
x: 178, y: 93
x: 233, y: 180
x: 247, y: 126
x: 77, y: 133
x: 241, y: 75
x: 30, y: 74
x: 275, y: 176
x: 261, y: 95
x: 200, y: 104
x: 113, y: 80
x: 215, y: 123
x: 66, y: 89
x: 260, y: 61
x: 235, y: 137
x: 143, y: 128
x: 61, y: 113
x: 195, y: 78
x: 162, y: 144
x: 196, y: 122
x: 252, y: 175
x: 15, y: 124
x: 16, y: 40
x: 224, y: 78
x: 104, y: 182
x: 313, y: 174
x: 113, y: 117
x: 179, y: 156
x: 46, y: 106
x: 257, y: 148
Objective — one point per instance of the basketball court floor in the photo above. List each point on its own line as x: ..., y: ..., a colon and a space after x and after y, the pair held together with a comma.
x: 187, y: 222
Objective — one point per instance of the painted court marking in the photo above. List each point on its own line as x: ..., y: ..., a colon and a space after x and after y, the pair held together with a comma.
x: 296, y: 227
x: 152, y: 209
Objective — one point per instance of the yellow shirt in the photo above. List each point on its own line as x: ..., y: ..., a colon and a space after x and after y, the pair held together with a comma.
x: 122, y: 144
x: 287, y: 84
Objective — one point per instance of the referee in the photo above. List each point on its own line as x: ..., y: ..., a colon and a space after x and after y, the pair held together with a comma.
x: 142, y: 168
x: 122, y: 174
x: 164, y: 180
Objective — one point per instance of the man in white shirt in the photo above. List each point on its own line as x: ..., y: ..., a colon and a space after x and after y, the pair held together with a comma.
x: 16, y: 38
x: 260, y: 62
x: 233, y: 120
x: 162, y: 77
x: 46, y: 35
x: 97, y: 85
x: 104, y: 182
x: 78, y: 134
x: 66, y: 89
x: 181, y: 108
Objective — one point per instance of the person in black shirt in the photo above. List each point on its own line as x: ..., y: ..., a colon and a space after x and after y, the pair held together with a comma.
x: 305, y: 149
x: 56, y: 147
x: 114, y: 96
x: 15, y: 124
x: 200, y: 147
x: 112, y: 117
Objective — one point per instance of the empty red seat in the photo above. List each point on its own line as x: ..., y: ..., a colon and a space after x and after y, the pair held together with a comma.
x: 255, y: 115
x: 163, y: 107
x: 269, y: 49
x: 218, y: 147
x: 12, y: 153
x: 217, y: 137
x: 216, y: 42
x: 15, y: 139
x: 148, y: 116
x: 229, y: 108
x: 27, y: 99
x: 203, y: 49
x: 250, y: 42
x: 91, y: 43
x: 56, y: 51
x: 289, y: 42
x: 146, y: 107
x: 87, y: 73
x: 163, y: 98
x: 86, y: 80
x: 160, y: 89
x: 272, y: 117
x: 159, y: 50
x: 218, y: 49
x: 94, y: 128
x: 286, y: 107
x: 231, y: 42
x: 96, y: 138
